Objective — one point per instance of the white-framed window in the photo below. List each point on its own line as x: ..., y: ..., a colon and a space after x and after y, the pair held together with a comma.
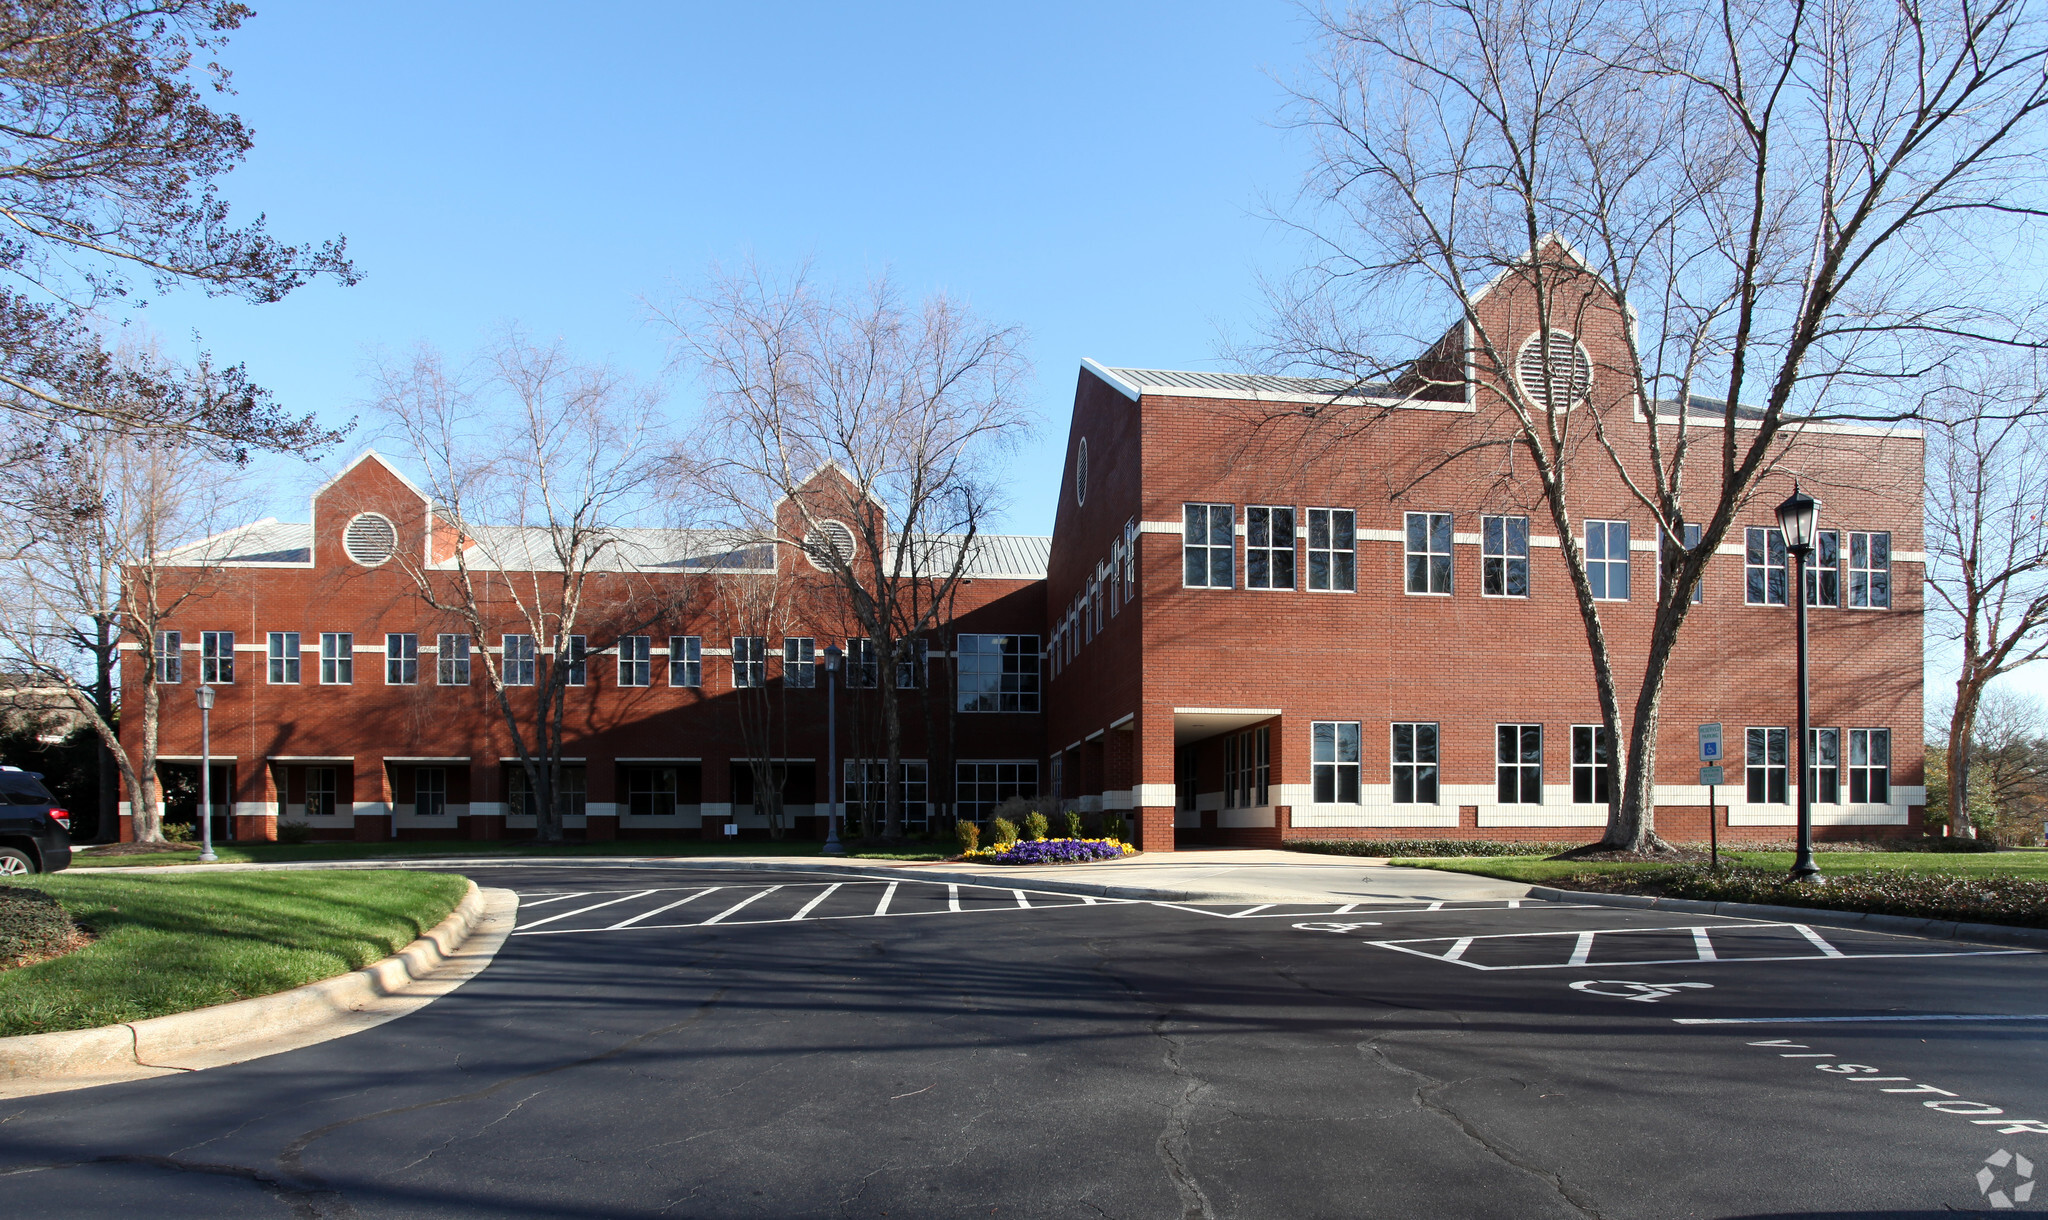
x: 577, y: 662
x: 1333, y: 550
x: 1592, y: 765
x: 320, y: 792
x: 1334, y: 761
x: 913, y: 665
x: 1208, y: 546
x: 429, y: 792
x: 1763, y: 567
x: 998, y: 673
x: 635, y: 669
x: 1607, y: 560
x: 862, y: 670
x: 864, y: 790
x: 1824, y: 775
x: 1870, y: 766
x: 1870, y: 571
x: 685, y: 660
x: 217, y: 658
x: 1414, y: 762
x: 1130, y: 560
x: 1692, y: 541
x: 1248, y: 769
x: 1116, y: 577
x: 749, y: 661
x: 401, y: 659
x: 800, y: 662
x: 451, y: 666
x: 170, y: 656
x: 1518, y: 764
x: 1268, y: 547
x: 1765, y: 760
x: 978, y: 787
x: 284, y: 658
x: 1824, y: 569
x: 518, y: 663
x: 1503, y: 556
x: 337, y: 658
x: 1428, y: 546
x: 650, y: 792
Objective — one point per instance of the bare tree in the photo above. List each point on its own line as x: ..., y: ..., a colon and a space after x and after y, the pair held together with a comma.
x: 537, y: 468
x: 909, y: 407
x: 1987, y: 548
x: 1793, y: 211
x: 757, y: 606
x: 93, y: 567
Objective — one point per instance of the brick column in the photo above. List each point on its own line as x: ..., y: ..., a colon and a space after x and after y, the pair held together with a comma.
x: 256, y: 804
x: 1154, y: 827
x: 372, y: 800
x: 600, y: 810
x: 486, y: 821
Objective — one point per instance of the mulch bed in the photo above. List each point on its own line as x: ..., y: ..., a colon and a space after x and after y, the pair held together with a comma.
x: 34, y: 928
x: 140, y: 849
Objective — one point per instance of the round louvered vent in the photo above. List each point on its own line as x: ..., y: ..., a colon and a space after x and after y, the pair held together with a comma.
x: 1081, y: 472
x: 826, y: 541
x: 1570, y: 373
x: 370, y: 539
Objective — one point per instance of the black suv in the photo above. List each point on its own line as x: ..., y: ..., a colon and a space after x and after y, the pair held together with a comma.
x: 35, y: 835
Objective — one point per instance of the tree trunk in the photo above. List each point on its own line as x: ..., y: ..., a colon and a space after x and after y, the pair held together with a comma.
x: 892, y: 733
x: 107, y: 815
x: 1962, y: 726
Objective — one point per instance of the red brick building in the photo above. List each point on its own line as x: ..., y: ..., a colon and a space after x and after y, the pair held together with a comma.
x: 1240, y: 631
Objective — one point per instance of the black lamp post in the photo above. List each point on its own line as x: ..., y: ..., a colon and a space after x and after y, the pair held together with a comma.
x: 206, y: 855
x: 832, y: 845
x: 1796, y: 517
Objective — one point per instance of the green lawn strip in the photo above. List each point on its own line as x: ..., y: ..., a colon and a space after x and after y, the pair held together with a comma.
x: 285, y: 853
x: 2032, y: 865
x: 174, y: 943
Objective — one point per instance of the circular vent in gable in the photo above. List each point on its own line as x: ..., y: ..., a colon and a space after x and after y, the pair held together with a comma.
x: 1081, y: 472
x: 370, y: 539
x: 1570, y: 373
x: 826, y: 541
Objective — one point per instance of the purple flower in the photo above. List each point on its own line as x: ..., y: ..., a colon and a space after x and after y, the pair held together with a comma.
x: 1057, y: 851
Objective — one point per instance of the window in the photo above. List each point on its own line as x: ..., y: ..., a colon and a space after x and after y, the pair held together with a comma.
x: 864, y: 795
x: 571, y: 791
x: 1699, y: 589
x: 1824, y: 569
x: 913, y: 662
x: 685, y: 660
x: 1247, y: 770
x: 429, y: 792
x: 320, y: 792
x: 170, y: 656
x: 1333, y: 760
x: 1824, y: 778
x: 1592, y: 765
x: 1766, y: 760
x: 518, y: 668
x: 337, y: 658
x: 401, y: 660
x: 1607, y: 560
x: 217, y: 657
x: 1763, y: 567
x: 1870, y: 571
x: 1333, y: 550
x: 1268, y: 548
x: 749, y: 662
x: 1518, y: 764
x: 1870, y: 766
x: 578, y: 661
x: 1131, y: 560
x: 452, y: 661
x: 1429, y: 552
x: 861, y: 669
x: 1415, y: 763
x: 651, y: 792
x: 980, y: 786
x: 1187, y: 777
x: 634, y: 669
x: 998, y: 673
x: 1503, y: 556
x: 284, y: 658
x: 800, y: 662
x: 1208, y: 543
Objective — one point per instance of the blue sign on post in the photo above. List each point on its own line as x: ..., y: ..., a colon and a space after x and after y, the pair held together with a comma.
x: 1710, y: 743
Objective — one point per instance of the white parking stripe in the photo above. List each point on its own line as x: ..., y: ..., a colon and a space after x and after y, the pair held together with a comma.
x: 813, y: 903
x: 1250, y: 910
x: 627, y: 923
x: 742, y: 904
x: 1580, y: 951
x: 592, y: 907
x: 534, y: 902
x: 1021, y: 900
x: 882, y: 907
x: 1925, y: 1016
x: 1704, y: 945
x: 952, y: 897
x: 1458, y: 950
x: 1818, y: 943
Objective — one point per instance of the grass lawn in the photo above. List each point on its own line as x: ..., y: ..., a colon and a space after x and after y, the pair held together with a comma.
x: 277, y: 853
x: 1536, y: 871
x: 175, y: 943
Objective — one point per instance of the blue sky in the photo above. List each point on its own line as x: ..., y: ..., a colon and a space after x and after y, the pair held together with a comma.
x: 1091, y: 173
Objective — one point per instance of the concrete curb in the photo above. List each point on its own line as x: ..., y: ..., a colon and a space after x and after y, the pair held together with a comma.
x: 247, y: 1029
x: 1903, y: 925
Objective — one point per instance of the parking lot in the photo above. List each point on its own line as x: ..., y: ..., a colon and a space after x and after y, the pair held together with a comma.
x: 690, y: 1041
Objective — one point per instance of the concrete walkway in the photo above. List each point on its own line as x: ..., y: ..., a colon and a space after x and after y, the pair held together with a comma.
x: 1268, y: 876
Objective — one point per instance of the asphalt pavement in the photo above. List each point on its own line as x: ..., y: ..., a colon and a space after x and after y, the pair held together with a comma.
x: 683, y: 1041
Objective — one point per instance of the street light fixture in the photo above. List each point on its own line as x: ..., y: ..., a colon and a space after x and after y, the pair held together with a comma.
x: 832, y: 845
x: 206, y: 855
x: 1796, y: 518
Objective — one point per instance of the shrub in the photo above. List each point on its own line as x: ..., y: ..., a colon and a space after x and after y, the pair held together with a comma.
x: 1036, y: 825
x: 1017, y: 808
x: 1427, y: 847
x: 293, y: 832
x: 1002, y: 831
x: 2008, y: 900
x: 180, y: 832
x: 1073, y: 820
x: 33, y: 927
x: 1112, y: 825
x: 969, y: 835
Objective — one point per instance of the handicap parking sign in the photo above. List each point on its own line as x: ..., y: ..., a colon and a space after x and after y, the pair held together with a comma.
x: 1710, y: 743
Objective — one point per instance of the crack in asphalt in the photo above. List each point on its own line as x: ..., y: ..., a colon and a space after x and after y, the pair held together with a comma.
x: 304, y: 1203
x: 431, y: 1152
x: 1174, y: 1151
x: 1425, y: 1098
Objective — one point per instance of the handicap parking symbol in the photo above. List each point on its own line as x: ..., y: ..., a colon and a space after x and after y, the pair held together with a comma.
x: 1645, y: 993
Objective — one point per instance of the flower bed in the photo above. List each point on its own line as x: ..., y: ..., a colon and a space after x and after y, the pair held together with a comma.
x: 1052, y: 851
x: 1964, y: 899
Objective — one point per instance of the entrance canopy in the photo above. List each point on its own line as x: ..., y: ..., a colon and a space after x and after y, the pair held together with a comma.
x: 1198, y: 723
